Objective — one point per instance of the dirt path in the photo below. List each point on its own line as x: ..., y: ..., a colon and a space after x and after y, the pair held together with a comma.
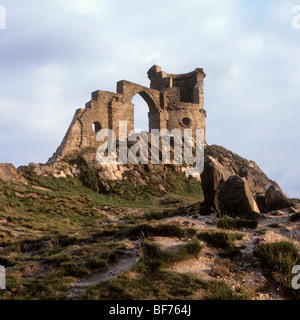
x: 123, y: 264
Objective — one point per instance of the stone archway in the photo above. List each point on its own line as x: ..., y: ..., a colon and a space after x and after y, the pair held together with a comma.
x: 151, y: 97
x: 153, y: 114
x: 140, y: 113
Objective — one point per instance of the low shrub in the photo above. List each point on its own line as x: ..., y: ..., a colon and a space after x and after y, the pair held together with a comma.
x: 96, y: 263
x: 75, y: 270
x: 89, y: 178
x: 154, y: 257
x: 163, y: 230
x: 274, y: 225
x: 220, y: 239
x: 236, y: 223
x: 295, y: 217
x: 280, y: 257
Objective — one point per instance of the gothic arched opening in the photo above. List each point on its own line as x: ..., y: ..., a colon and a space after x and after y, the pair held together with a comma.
x: 141, y: 109
x: 146, y: 116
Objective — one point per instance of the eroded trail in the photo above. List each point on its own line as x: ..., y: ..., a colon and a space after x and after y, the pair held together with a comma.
x: 125, y: 262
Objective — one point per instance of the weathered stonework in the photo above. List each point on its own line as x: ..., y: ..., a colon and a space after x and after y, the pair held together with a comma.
x: 175, y: 101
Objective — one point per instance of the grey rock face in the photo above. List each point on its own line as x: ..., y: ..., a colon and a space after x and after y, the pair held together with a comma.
x: 235, y: 197
x: 214, y: 173
x: 220, y: 164
x: 8, y: 173
x: 275, y: 199
x: 256, y: 178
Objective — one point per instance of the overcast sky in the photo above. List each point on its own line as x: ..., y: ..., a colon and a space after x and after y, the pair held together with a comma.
x: 54, y: 53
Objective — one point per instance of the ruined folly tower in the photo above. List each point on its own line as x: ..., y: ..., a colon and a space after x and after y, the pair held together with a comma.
x: 175, y: 101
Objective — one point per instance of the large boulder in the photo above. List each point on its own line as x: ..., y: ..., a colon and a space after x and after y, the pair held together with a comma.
x: 219, y: 164
x: 8, y: 173
x: 213, y: 174
x: 256, y: 178
x: 235, y: 197
x: 275, y: 199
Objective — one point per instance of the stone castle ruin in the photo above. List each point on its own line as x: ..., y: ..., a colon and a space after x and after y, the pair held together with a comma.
x: 175, y: 101
x: 230, y: 183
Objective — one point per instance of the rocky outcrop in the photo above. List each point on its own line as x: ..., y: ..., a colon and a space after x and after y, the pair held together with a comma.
x: 213, y: 175
x: 101, y: 176
x: 275, y: 199
x: 219, y: 165
x: 8, y: 173
x: 57, y: 170
x: 256, y: 178
x: 235, y: 197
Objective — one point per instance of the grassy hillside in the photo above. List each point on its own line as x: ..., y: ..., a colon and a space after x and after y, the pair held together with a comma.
x: 56, y: 231
x: 59, y: 239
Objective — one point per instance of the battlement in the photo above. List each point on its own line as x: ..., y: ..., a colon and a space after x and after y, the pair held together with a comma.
x: 188, y: 83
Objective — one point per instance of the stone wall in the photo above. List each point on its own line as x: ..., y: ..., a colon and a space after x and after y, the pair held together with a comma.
x: 175, y: 101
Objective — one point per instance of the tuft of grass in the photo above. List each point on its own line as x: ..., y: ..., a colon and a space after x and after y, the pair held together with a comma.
x: 159, y: 215
x: 236, y: 223
x: 155, y: 258
x: 150, y: 249
x: 193, y: 248
x: 222, y: 291
x: 220, y: 239
x: 96, y: 263
x: 275, y: 225
x: 280, y: 257
x: 187, y: 209
x: 190, y: 250
x: 75, y: 270
x: 59, y: 258
x: 163, y: 230
x: 262, y: 231
x: 295, y: 217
